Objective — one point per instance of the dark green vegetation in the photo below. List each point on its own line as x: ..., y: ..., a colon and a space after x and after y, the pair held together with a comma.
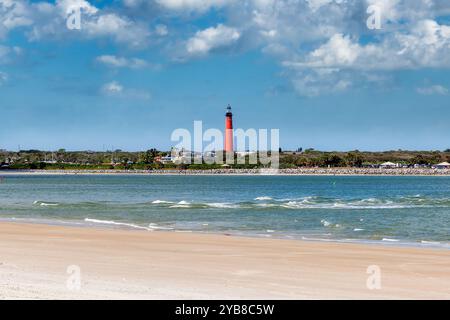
x: 313, y: 158
x: 148, y: 160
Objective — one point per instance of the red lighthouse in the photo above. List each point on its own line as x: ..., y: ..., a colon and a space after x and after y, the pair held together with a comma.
x: 229, y: 131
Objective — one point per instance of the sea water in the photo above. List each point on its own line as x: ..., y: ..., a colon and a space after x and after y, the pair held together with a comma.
x: 391, y: 210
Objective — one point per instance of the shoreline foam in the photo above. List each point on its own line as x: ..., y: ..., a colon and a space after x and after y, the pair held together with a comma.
x: 99, y: 224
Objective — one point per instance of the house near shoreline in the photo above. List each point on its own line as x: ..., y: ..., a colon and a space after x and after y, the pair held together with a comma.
x: 389, y: 165
x: 443, y: 165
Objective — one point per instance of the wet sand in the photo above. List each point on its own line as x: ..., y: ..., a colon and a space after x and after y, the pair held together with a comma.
x: 123, y: 264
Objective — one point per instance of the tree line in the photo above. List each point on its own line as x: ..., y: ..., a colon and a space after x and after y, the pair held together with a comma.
x: 118, y: 159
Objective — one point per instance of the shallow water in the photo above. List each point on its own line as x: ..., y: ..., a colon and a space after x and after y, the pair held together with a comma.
x: 409, y: 210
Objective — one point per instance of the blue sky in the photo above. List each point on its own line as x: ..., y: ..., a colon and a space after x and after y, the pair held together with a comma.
x: 137, y: 70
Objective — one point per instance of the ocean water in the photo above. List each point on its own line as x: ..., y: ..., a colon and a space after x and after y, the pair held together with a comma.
x: 391, y: 210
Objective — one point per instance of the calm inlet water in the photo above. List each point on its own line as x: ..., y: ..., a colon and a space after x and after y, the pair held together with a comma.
x: 413, y: 210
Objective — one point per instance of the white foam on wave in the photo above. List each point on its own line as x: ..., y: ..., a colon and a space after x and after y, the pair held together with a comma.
x: 309, y: 202
x: 292, y: 205
x: 45, y: 204
x: 358, y: 229
x: 390, y: 240
x: 222, y: 205
x: 110, y: 222
x: 368, y: 203
x: 430, y: 242
x: 327, y: 224
x: 180, y: 206
x: 156, y: 227
x: 161, y: 202
x: 264, y: 198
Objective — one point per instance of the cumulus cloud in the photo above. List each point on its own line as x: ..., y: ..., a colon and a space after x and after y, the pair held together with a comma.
x: 45, y: 20
x: 433, y: 90
x: 119, y: 28
x: 13, y: 14
x: 312, y: 40
x: 212, y: 38
x: 189, y: 5
x: 325, y: 45
x: 425, y: 45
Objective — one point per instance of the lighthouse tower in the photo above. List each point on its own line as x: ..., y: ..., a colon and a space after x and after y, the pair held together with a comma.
x: 229, y: 130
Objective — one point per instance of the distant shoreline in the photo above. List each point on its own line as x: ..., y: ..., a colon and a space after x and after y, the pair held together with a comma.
x: 247, y: 172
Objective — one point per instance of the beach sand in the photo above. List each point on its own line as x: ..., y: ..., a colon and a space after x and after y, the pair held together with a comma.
x: 122, y: 264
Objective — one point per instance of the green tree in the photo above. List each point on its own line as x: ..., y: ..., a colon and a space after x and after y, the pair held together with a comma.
x: 149, y: 156
x: 354, y: 159
x: 332, y: 160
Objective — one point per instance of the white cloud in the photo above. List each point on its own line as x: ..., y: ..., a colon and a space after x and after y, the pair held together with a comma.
x: 190, y: 5
x: 67, y: 6
x: 433, y: 90
x: 13, y: 14
x: 321, y: 81
x: 427, y: 45
x: 9, y: 54
x: 313, y: 40
x: 112, y: 88
x: 161, y: 30
x: 106, y: 25
x: 116, y: 90
x: 122, y: 62
x: 212, y: 38
x: 338, y: 51
x: 47, y: 21
x: 3, y: 78
x: 122, y: 29
x: 317, y: 4
x: 4, y: 51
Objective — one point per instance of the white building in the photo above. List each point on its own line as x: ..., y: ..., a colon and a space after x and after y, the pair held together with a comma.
x: 389, y: 165
x: 443, y: 165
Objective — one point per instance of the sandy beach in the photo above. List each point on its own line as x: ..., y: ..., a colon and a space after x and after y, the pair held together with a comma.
x: 121, y: 264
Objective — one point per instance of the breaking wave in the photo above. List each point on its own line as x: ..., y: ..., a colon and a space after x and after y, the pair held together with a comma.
x: 328, y: 224
x: 263, y: 198
x: 151, y: 226
x: 161, y: 201
x: 264, y: 203
x: 313, y: 202
x: 45, y: 204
